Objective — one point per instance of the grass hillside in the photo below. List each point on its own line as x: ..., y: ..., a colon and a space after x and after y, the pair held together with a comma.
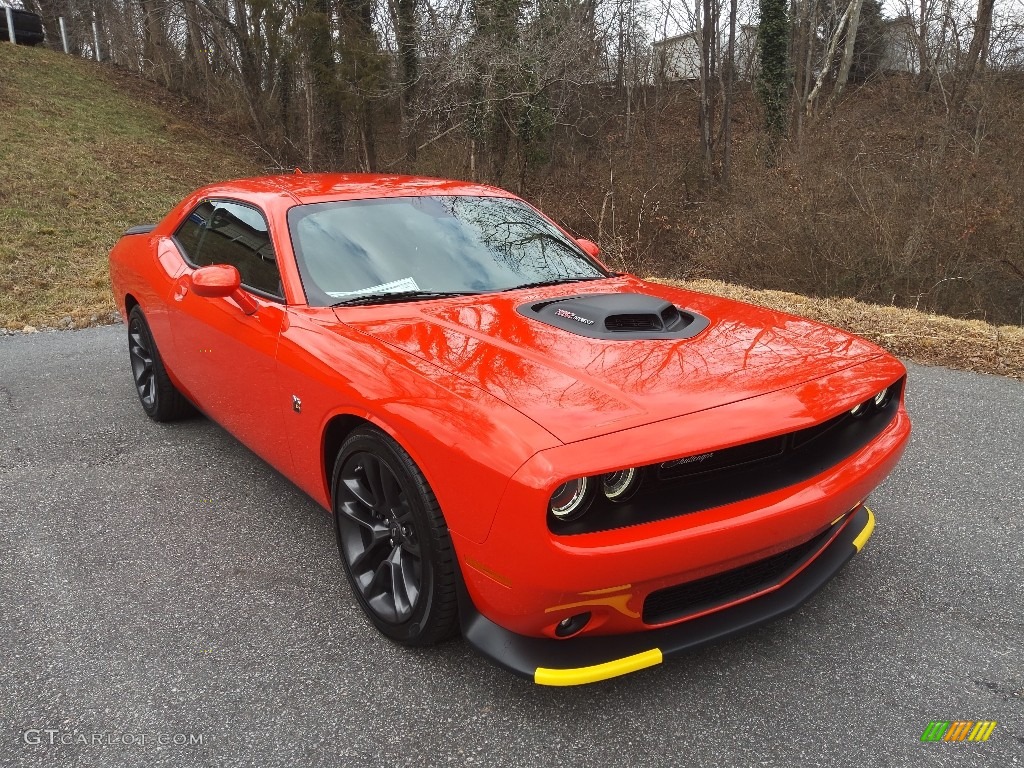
x: 83, y: 155
x: 86, y: 152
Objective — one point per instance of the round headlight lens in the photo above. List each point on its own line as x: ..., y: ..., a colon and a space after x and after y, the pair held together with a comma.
x: 859, y: 410
x: 882, y: 398
x: 620, y: 485
x: 571, y: 499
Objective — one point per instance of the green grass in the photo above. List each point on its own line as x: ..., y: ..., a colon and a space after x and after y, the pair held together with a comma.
x: 82, y: 157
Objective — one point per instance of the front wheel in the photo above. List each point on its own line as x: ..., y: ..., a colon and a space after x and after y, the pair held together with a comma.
x: 393, y: 541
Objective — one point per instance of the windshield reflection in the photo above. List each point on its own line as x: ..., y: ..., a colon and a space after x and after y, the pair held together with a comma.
x: 429, y: 244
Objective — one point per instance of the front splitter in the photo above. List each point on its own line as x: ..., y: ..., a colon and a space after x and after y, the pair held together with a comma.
x: 581, y: 660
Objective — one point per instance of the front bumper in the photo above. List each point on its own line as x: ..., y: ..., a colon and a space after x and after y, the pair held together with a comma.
x: 581, y: 660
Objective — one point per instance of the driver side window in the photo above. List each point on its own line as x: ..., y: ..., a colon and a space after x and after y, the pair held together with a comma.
x: 223, y: 232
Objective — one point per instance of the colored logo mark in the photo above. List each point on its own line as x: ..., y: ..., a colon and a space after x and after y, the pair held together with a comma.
x: 959, y: 730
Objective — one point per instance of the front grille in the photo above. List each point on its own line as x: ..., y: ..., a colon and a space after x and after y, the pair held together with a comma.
x: 702, y: 481
x: 633, y: 323
x: 730, y: 457
x: 682, y: 600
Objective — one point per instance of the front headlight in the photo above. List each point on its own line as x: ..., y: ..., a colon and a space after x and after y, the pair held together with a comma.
x: 882, y: 398
x: 621, y: 485
x: 571, y: 499
x: 876, y: 403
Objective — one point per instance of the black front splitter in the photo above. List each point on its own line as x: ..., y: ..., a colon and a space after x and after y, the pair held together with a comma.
x: 588, y: 659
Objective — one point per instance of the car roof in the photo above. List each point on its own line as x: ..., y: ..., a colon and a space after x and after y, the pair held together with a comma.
x: 323, y: 187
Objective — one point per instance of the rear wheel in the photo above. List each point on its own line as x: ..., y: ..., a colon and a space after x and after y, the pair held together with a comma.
x: 393, y: 541
x: 160, y: 399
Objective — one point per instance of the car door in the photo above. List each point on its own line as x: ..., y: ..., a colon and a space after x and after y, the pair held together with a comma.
x: 229, y: 358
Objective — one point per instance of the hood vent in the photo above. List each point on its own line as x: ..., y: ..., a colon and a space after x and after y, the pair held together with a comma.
x: 633, y: 323
x: 617, y: 316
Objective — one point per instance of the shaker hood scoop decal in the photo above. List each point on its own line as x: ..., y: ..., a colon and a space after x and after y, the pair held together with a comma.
x: 617, y: 316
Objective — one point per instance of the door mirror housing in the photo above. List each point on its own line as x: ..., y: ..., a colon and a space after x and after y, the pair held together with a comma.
x: 217, y: 281
x: 589, y: 246
x: 222, y: 281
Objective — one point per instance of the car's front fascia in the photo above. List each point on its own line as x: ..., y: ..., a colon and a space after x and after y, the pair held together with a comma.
x: 524, y: 580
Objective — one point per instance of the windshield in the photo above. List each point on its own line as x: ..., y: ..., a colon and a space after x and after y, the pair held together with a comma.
x: 419, y: 247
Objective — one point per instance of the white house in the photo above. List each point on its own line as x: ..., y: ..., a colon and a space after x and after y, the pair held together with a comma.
x: 899, y: 48
x: 678, y: 58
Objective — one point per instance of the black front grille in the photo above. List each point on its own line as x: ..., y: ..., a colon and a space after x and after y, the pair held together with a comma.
x: 633, y: 323
x: 702, y: 481
x: 682, y: 600
x: 730, y: 457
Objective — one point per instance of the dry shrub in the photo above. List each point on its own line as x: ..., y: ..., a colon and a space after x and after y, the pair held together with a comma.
x: 889, y: 200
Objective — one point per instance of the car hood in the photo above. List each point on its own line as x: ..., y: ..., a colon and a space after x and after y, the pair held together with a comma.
x: 578, y: 387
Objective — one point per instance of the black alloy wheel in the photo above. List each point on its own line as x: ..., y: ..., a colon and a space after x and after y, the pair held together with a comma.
x: 160, y: 399
x: 142, y: 363
x: 393, y: 540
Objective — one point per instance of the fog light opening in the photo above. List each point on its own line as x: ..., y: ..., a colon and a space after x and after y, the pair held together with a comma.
x: 571, y: 625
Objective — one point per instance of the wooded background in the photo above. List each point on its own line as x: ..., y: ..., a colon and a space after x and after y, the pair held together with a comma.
x: 825, y: 172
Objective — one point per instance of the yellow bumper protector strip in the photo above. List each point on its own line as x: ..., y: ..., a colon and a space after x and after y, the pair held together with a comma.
x: 610, y: 669
x: 865, y: 534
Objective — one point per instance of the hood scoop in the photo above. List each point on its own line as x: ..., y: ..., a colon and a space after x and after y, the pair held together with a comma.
x: 611, y: 316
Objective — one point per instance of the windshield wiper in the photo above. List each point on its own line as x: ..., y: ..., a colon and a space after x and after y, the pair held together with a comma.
x: 556, y: 281
x: 398, y: 296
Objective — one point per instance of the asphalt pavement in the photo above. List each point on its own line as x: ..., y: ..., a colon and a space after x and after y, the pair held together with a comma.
x: 166, y: 598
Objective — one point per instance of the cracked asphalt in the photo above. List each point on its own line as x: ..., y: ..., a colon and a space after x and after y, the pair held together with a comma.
x: 162, y: 583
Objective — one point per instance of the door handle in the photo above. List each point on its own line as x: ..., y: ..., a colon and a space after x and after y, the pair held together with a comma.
x: 182, y: 286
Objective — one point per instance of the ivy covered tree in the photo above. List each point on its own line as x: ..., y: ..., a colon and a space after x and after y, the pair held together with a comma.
x: 773, y: 82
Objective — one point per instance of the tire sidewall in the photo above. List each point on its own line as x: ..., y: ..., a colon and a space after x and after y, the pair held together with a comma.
x: 377, y: 443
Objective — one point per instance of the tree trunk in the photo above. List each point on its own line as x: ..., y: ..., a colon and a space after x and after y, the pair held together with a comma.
x: 730, y: 79
x: 405, y: 37
x: 830, y: 55
x: 847, y: 62
x: 708, y: 49
x: 978, y: 52
x: 773, y: 83
x: 154, y: 65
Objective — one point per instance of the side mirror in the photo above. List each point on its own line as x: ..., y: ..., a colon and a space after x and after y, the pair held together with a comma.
x: 589, y: 246
x: 222, y: 281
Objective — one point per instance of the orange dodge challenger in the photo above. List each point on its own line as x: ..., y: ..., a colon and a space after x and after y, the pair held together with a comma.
x: 583, y: 471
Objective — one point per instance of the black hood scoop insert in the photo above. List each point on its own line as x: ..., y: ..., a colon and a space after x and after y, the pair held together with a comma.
x: 625, y: 316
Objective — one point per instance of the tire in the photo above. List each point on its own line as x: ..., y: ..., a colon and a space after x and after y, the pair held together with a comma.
x: 160, y: 399
x: 393, y: 541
